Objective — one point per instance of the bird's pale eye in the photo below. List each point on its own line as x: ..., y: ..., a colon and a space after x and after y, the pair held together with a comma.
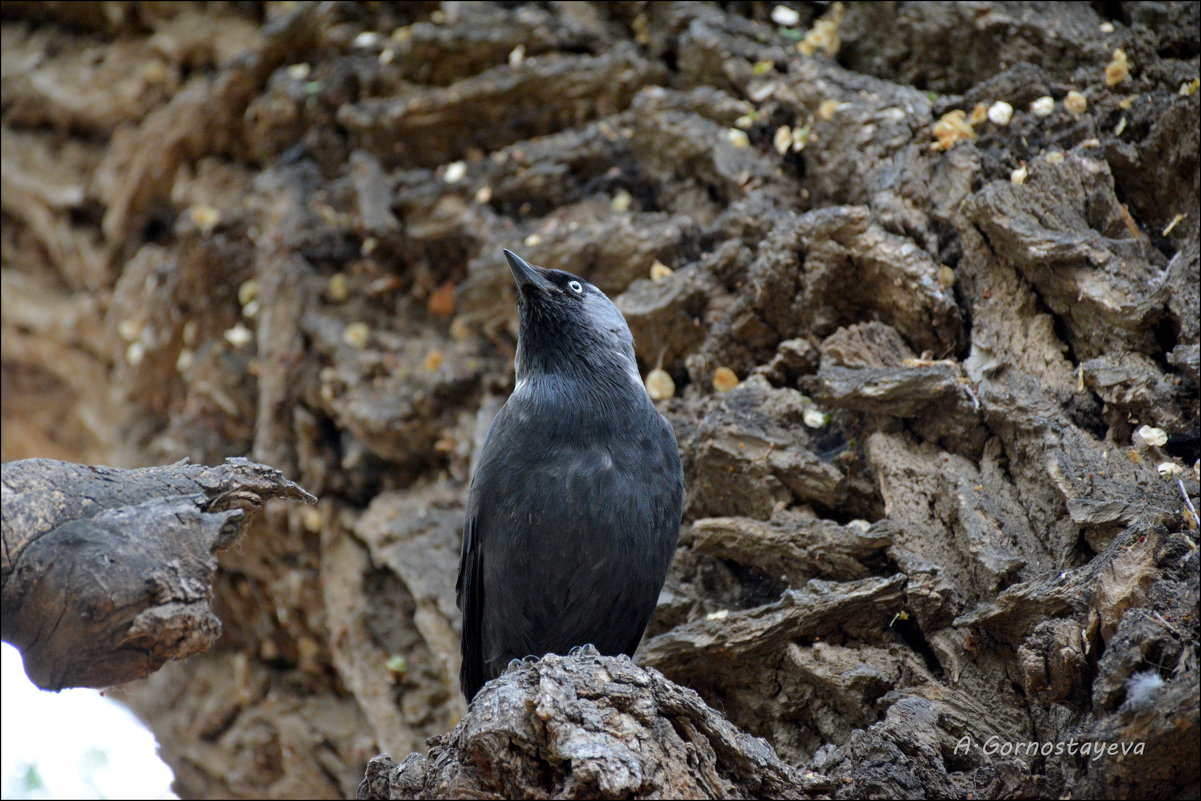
x: 576, y: 287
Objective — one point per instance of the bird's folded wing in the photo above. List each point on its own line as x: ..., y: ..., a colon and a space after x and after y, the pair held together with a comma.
x: 469, y: 592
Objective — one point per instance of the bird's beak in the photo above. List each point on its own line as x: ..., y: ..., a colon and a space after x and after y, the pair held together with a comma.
x: 525, y: 275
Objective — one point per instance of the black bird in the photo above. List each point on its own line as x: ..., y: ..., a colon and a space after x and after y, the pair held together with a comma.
x: 574, y: 508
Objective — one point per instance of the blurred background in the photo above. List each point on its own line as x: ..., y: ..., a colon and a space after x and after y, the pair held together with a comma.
x: 73, y: 744
x: 908, y: 280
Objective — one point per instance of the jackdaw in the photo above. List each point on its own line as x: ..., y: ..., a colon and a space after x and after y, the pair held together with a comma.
x: 574, y: 507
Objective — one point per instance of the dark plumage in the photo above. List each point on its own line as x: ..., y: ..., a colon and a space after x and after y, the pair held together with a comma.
x: 574, y: 508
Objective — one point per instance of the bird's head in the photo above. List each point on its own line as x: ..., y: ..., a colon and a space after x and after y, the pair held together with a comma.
x: 568, y: 327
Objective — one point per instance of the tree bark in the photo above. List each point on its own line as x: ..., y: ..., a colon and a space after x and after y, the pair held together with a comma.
x: 587, y: 726
x: 108, y: 574
x: 949, y: 252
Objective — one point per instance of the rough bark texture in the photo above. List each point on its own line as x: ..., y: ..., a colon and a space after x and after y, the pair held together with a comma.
x: 107, y: 574
x: 587, y: 726
x: 928, y: 511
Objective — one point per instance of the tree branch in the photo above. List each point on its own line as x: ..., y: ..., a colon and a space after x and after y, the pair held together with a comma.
x: 107, y: 573
x: 587, y: 726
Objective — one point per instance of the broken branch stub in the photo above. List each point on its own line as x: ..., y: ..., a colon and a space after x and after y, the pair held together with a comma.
x: 587, y: 726
x: 107, y: 573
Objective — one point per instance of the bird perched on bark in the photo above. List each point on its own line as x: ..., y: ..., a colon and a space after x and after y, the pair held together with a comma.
x: 574, y: 507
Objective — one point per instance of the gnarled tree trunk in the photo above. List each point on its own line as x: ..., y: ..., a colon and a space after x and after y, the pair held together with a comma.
x: 948, y: 250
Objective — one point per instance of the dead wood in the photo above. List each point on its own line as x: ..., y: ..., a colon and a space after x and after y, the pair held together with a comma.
x: 108, y: 573
x: 587, y: 727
